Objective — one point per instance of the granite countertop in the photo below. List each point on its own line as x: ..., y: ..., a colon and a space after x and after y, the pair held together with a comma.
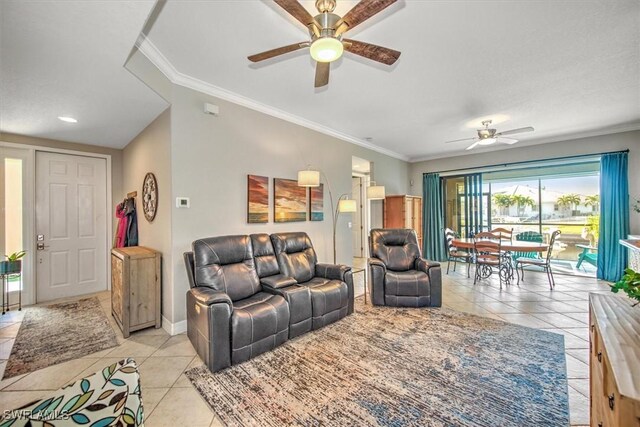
x: 633, y: 244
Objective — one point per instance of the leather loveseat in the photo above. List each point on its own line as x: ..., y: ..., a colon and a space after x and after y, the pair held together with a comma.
x: 250, y: 294
x: 400, y: 277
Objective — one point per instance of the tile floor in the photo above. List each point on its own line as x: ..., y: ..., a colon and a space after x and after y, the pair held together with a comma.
x: 163, y: 359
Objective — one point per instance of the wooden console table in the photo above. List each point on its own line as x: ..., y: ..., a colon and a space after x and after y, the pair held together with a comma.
x: 614, y: 361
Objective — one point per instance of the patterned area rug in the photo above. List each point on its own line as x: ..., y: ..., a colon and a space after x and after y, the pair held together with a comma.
x: 56, y: 333
x: 398, y: 367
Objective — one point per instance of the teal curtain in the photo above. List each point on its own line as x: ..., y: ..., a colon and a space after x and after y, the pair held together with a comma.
x: 433, y: 226
x: 614, y: 216
x: 472, y: 204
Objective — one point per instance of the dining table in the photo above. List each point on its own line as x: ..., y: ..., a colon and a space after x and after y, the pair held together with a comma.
x: 506, y: 247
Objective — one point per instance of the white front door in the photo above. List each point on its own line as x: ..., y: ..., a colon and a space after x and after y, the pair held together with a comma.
x: 71, y: 225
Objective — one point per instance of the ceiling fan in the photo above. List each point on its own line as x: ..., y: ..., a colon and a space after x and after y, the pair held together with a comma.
x: 488, y: 136
x: 326, y: 43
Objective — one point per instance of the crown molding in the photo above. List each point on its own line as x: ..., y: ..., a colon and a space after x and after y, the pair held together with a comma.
x: 148, y: 49
x: 628, y: 127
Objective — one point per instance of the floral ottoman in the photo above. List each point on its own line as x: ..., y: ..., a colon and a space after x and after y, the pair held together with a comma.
x: 110, y: 397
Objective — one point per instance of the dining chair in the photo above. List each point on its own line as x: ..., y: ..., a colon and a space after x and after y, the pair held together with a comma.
x: 489, y: 258
x: 504, y: 233
x: 527, y: 236
x: 454, y: 254
x: 545, y: 263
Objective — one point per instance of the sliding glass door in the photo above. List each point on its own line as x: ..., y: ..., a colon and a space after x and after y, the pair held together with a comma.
x: 534, y: 199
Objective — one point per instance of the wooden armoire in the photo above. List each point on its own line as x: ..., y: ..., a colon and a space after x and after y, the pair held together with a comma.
x: 403, y: 211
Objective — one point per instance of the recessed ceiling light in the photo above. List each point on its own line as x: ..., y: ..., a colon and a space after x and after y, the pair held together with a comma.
x: 67, y: 119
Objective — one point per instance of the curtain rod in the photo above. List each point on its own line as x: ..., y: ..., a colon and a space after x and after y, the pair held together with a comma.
x: 530, y: 161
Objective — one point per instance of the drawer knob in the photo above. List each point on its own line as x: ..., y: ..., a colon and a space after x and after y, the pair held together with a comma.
x: 600, y: 356
x: 611, y: 401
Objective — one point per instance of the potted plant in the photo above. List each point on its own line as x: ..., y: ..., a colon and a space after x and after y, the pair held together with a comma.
x: 629, y: 284
x: 13, y: 264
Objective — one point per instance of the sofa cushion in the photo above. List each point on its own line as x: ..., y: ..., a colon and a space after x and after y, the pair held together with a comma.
x: 226, y: 264
x: 296, y: 256
x: 264, y: 255
x: 83, y: 403
x: 327, y: 295
x: 258, y: 324
x: 396, y: 248
x: 406, y: 283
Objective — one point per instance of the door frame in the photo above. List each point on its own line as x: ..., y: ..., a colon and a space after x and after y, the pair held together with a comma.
x: 29, y: 290
x: 365, y: 212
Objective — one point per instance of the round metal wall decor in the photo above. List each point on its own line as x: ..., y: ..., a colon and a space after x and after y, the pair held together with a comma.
x: 150, y: 196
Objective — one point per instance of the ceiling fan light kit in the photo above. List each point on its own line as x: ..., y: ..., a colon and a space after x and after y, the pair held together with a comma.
x: 325, y: 31
x: 326, y: 49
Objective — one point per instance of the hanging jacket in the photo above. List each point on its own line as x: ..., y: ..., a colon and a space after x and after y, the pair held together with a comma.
x: 121, y: 233
x: 132, y: 222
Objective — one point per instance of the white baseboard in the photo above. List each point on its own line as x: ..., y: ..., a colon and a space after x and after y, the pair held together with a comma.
x: 174, y: 328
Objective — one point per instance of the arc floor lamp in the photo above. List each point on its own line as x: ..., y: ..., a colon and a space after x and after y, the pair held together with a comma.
x: 311, y: 178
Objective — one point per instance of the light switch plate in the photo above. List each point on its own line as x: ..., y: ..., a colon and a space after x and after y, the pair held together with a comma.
x: 183, y: 202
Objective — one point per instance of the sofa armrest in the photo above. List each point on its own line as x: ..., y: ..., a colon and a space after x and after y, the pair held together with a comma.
x: 425, y: 264
x: 188, y: 263
x: 332, y: 271
x: 432, y: 268
x: 278, y: 281
x: 375, y: 262
x: 377, y: 272
x: 208, y: 296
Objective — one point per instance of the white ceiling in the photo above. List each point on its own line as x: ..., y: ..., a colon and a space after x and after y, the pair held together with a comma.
x: 66, y: 58
x: 564, y: 67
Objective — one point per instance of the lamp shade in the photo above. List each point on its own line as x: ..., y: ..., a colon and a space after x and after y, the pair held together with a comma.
x: 309, y: 178
x: 347, y: 205
x: 375, y: 192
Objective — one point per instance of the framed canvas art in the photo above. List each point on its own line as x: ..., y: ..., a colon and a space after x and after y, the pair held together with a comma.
x: 316, y: 203
x: 257, y: 199
x: 290, y: 201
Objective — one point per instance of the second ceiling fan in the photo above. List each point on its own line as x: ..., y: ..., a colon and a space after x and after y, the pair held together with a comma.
x: 326, y: 29
x: 488, y: 136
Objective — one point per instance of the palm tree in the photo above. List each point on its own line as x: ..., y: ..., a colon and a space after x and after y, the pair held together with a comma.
x: 522, y: 202
x: 593, y: 201
x: 568, y: 201
x: 503, y: 201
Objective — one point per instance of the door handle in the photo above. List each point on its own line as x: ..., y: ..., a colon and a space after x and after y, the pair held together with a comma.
x: 41, y: 246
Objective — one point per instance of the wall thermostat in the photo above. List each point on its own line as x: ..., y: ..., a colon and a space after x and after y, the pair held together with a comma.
x: 182, y: 202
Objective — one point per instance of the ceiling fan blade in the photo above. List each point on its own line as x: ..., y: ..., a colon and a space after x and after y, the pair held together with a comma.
x: 473, y: 145
x: 298, y: 11
x: 460, y: 140
x: 372, y: 51
x: 505, y: 140
x: 360, y: 13
x: 276, y: 52
x: 514, y: 131
x: 322, y: 73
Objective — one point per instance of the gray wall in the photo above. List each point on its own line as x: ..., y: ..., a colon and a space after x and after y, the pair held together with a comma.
x: 591, y: 145
x: 150, y: 151
x: 211, y: 157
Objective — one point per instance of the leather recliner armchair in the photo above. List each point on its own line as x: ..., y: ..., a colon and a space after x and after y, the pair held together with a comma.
x: 399, y: 276
x: 230, y: 318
